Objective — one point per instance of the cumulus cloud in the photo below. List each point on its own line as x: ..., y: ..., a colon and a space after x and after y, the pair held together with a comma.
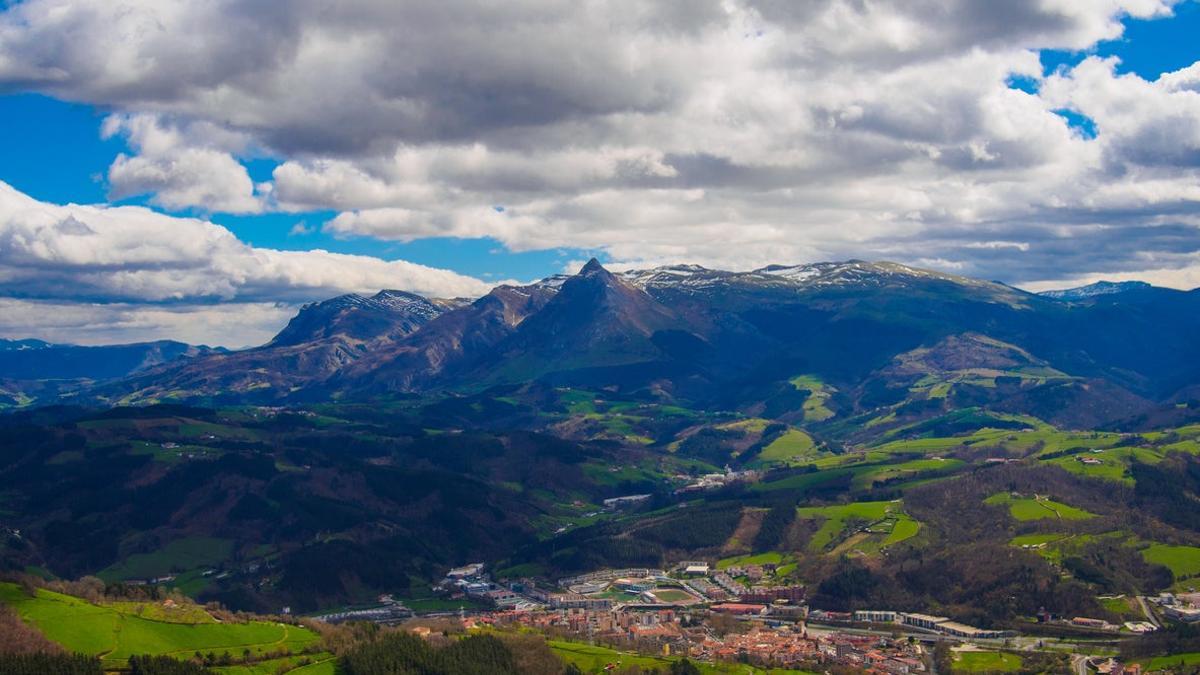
x: 177, y: 169
x: 133, y: 255
x: 732, y: 133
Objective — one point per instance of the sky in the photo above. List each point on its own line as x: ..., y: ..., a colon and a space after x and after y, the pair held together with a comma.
x: 197, y: 170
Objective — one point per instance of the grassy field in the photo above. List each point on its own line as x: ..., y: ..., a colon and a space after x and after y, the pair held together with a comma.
x: 815, y: 406
x: 319, y: 664
x: 905, y: 528
x: 845, y: 526
x: 1121, y: 606
x: 1165, y: 663
x: 593, y: 659
x: 114, y: 633
x: 1183, y: 561
x: 1039, y: 508
x: 178, y: 556
x: 769, y: 558
x: 793, y: 447
x: 1035, y: 540
x: 1041, y: 440
x: 986, y: 662
x: 1113, y: 464
x: 753, y: 425
x: 805, y: 481
x: 903, y: 470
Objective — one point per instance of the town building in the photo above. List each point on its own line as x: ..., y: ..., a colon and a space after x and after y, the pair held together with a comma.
x: 923, y: 621
x: 875, y: 616
x: 739, y: 609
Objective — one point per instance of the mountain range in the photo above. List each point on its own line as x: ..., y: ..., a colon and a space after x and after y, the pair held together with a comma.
x: 876, y: 332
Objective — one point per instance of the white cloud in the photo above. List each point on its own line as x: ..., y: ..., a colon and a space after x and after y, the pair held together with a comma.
x: 133, y: 254
x: 179, y: 170
x: 732, y: 133
x: 232, y: 325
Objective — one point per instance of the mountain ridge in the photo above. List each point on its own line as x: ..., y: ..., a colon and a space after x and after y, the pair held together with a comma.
x: 712, y: 337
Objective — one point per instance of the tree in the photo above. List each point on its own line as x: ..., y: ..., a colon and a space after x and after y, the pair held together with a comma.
x: 684, y: 667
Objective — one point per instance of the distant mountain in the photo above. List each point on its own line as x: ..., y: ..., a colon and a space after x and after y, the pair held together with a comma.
x: 451, y: 345
x: 1097, y: 289
x: 321, y: 340
x: 360, y: 318
x: 37, y: 360
x: 22, y: 345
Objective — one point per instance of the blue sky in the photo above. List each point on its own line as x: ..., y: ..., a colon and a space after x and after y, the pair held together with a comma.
x: 997, y: 141
x: 54, y: 152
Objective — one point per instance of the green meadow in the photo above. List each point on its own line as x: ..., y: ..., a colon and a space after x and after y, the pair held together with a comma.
x: 1037, y: 508
x: 116, y: 632
x: 863, y: 525
x: 317, y: 664
x: 815, y: 407
x: 177, y: 556
x: 793, y: 447
x: 1183, y: 561
x: 769, y: 558
x: 986, y: 662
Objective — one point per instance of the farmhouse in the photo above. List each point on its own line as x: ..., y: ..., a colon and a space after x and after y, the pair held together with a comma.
x: 769, y: 594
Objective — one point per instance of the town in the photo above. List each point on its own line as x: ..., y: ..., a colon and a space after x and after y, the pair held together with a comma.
x: 736, y: 613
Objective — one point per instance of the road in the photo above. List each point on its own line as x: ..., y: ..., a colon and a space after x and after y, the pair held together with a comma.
x: 1147, y: 611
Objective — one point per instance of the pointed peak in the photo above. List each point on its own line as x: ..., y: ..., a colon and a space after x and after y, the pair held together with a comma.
x: 592, y: 267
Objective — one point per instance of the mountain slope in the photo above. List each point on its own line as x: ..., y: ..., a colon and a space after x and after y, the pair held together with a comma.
x: 316, y: 344
x: 1094, y: 290
x: 450, y: 344
x: 387, y: 313
x: 596, y: 320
